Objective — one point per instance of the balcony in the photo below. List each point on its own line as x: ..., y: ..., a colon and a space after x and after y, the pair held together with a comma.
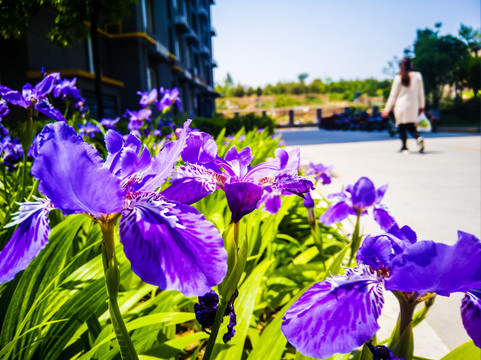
x: 163, y: 51
x: 192, y: 36
x: 181, y: 23
x: 202, y: 11
x: 212, y: 31
x: 204, y: 50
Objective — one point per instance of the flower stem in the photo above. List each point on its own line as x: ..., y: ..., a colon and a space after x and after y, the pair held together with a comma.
x: 316, y: 234
x: 356, y: 239
x: 219, y: 317
x: 7, y: 198
x: 24, y: 176
x: 112, y: 279
x: 228, y: 286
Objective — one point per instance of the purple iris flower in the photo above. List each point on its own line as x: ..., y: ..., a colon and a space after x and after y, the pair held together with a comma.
x: 35, y: 97
x: 146, y: 98
x: 137, y: 118
x: 244, y: 186
x: 320, y: 172
x: 356, y: 200
x: 169, y: 97
x: 109, y: 123
x: 206, y: 310
x: 3, y: 109
x: 3, y: 131
x: 66, y: 88
x: 12, y: 152
x: 169, y: 244
x: 340, y: 313
x: 88, y: 129
x: 381, y: 352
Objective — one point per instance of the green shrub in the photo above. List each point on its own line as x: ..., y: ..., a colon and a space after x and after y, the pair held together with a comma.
x: 249, y: 122
x: 286, y: 101
x: 459, y: 113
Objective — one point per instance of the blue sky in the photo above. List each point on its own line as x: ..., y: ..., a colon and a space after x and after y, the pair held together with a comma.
x: 265, y: 41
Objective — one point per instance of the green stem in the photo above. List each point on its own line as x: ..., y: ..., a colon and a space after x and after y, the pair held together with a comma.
x: 356, y: 239
x: 24, y: 176
x: 226, y: 290
x: 7, y: 198
x: 219, y: 317
x: 316, y: 234
x: 34, y: 188
x: 112, y: 279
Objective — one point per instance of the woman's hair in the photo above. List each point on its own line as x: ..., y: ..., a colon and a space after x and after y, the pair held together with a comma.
x: 406, y: 65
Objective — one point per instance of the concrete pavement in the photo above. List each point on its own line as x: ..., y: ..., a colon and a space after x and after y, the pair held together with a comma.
x: 437, y: 193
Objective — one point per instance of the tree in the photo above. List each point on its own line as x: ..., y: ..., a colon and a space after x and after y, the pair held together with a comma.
x: 75, y: 20
x: 473, y: 77
x: 471, y: 37
x: 440, y: 59
x: 302, y: 77
x: 239, y: 91
x: 250, y: 91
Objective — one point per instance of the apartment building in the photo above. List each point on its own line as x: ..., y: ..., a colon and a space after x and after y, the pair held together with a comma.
x: 162, y: 43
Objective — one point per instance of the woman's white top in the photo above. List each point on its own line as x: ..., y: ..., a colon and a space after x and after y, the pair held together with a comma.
x: 406, y: 100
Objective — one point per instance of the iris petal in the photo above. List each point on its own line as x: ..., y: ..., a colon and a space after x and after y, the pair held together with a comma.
x: 201, y: 149
x: 336, y: 315
x: 163, y: 163
x: 427, y: 266
x: 171, y: 245
x: 242, y: 198
x: 376, y: 251
x: 471, y: 315
x: 191, y: 184
x: 293, y: 184
x: 72, y: 179
x: 30, y: 237
x: 383, y: 218
x: 363, y: 193
x: 13, y: 97
x: 336, y: 213
x: 48, y: 110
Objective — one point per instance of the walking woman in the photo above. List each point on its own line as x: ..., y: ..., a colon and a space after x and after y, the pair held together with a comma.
x: 407, y: 101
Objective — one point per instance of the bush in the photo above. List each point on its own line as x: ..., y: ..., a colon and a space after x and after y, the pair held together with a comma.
x: 286, y: 101
x: 249, y: 122
x: 459, y: 113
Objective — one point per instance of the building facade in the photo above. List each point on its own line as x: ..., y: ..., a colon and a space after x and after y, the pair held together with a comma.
x: 162, y: 43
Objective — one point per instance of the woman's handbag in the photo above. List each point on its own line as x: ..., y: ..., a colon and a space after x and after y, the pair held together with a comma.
x: 423, y: 124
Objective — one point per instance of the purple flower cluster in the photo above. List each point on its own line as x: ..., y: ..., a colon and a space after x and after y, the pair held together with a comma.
x: 340, y: 313
x: 36, y: 97
x: 356, y: 200
x: 206, y: 310
x: 11, y: 152
x: 320, y: 172
x: 169, y: 244
x: 137, y: 119
x: 168, y: 98
x: 3, y: 109
x: 245, y: 187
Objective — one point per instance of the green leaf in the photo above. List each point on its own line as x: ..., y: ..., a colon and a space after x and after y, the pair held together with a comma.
x: 336, y: 263
x: 28, y: 304
x: 244, y: 306
x: 160, y: 319
x: 467, y: 351
x: 403, y: 346
x: 272, y: 343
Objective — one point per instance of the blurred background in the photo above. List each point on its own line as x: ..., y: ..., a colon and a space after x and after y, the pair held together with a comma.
x: 296, y: 63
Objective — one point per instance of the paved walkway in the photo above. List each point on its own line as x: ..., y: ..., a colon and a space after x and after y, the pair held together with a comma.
x: 436, y: 193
